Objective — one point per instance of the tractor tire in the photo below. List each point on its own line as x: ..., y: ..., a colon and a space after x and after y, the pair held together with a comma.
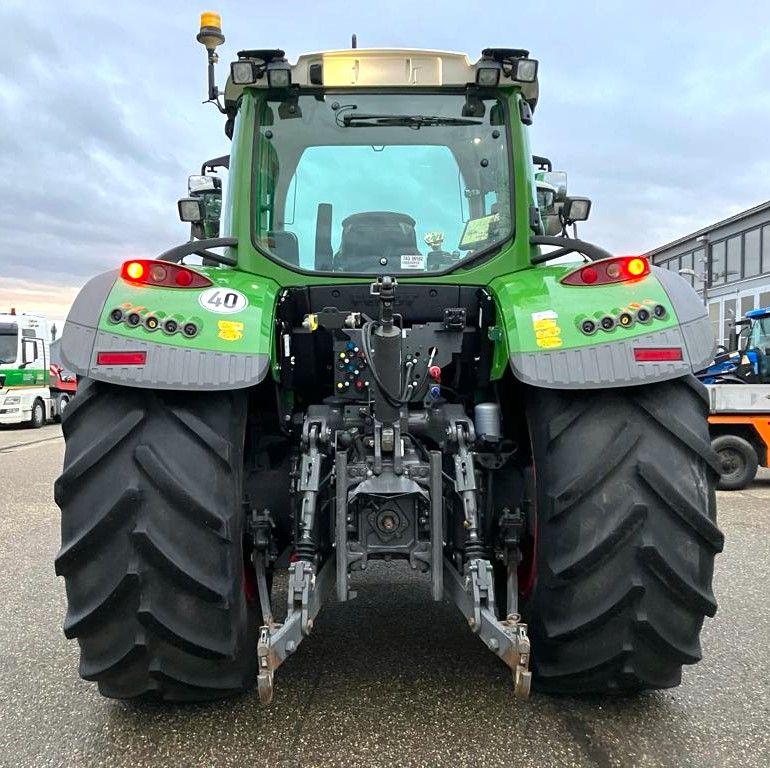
x: 626, y: 536
x: 738, y: 460
x: 153, y: 542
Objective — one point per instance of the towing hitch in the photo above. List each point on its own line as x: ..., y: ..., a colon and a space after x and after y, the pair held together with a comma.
x: 307, y: 591
x: 474, y: 595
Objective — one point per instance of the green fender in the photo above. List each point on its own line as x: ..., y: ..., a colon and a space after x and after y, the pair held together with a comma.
x: 540, y: 323
x: 231, y: 348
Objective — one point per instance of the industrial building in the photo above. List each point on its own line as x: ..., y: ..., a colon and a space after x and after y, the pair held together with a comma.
x: 728, y: 264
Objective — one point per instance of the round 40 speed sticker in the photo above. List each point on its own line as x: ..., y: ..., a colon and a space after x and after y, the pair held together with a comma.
x: 223, y: 301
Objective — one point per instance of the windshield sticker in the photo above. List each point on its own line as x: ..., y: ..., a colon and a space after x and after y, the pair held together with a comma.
x: 547, y: 330
x: 412, y: 261
x: 478, y: 230
x: 223, y: 301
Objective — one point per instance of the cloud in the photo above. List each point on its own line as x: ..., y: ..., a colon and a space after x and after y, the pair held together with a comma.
x: 658, y: 113
x: 52, y: 301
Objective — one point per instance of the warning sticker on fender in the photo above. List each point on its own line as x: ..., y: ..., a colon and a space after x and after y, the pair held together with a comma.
x: 546, y: 327
x: 230, y: 330
x: 412, y: 261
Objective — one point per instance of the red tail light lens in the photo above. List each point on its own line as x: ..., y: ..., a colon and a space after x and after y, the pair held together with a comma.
x: 163, y: 273
x: 121, y: 358
x: 615, y: 270
x: 658, y: 354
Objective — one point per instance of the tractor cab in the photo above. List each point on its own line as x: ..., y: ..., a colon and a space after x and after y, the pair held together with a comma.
x: 756, y: 336
x: 747, y: 358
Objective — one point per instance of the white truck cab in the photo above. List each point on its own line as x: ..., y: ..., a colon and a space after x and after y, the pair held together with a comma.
x: 25, y: 392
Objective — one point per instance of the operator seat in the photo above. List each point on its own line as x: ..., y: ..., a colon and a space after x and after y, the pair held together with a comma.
x: 370, y: 237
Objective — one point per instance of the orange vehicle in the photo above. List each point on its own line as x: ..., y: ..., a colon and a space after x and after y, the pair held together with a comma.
x: 739, y: 423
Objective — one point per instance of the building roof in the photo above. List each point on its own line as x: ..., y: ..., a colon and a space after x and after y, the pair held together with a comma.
x: 711, y: 227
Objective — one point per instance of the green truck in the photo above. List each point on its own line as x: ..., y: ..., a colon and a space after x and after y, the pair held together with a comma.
x: 32, y: 389
x: 377, y: 352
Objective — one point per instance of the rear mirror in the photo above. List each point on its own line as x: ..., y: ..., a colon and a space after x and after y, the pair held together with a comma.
x: 552, y: 225
x: 557, y: 179
x: 203, y: 208
x: 28, y: 352
x: 549, y: 210
x: 200, y: 183
x: 546, y: 198
x: 576, y: 209
x: 740, y: 339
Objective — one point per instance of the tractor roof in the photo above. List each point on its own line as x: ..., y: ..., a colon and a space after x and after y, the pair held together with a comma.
x: 380, y: 67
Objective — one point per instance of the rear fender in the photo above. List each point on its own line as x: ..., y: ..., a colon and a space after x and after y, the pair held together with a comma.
x: 230, y: 350
x: 542, y: 319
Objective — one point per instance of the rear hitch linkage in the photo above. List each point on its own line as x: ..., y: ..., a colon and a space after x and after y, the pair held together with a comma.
x: 307, y: 591
x: 410, y: 486
x: 474, y: 595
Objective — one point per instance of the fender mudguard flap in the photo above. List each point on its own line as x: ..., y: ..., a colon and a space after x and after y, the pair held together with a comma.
x: 167, y: 366
x: 612, y: 364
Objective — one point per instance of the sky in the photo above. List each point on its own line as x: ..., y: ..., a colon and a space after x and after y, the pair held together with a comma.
x: 659, y: 111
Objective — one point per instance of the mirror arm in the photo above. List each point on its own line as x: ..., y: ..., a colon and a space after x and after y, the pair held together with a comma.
x: 216, y: 162
x: 567, y: 245
x: 200, y: 247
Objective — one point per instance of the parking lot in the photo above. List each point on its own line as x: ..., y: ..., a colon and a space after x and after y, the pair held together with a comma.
x: 389, y: 679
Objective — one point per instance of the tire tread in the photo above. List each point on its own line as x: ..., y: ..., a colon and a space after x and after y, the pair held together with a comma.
x: 152, y: 542
x: 624, y: 579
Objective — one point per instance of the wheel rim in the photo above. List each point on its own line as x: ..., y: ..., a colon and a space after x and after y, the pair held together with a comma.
x: 37, y: 413
x: 63, y: 403
x: 733, y: 463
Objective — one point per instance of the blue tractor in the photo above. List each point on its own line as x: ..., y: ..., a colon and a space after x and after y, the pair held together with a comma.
x: 747, y: 358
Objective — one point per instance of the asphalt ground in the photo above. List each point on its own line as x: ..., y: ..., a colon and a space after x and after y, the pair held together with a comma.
x: 389, y: 679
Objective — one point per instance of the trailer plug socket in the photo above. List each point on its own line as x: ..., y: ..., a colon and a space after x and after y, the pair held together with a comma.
x: 607, y: 323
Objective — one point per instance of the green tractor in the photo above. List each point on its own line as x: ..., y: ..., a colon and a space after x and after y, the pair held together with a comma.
x: 384, y: 356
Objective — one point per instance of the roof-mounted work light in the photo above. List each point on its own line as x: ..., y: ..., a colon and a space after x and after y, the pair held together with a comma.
x: 243, y: 72
x: 254, y: 65
x: 279, y: 74
x: 524, y: 70
x: 488, y: 73
x: 514, y: 63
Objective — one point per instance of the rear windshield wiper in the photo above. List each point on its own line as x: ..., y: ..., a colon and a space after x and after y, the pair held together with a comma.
x: 408, y: 121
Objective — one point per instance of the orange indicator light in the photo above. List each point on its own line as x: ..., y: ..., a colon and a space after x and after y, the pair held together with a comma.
x: 134, y: 270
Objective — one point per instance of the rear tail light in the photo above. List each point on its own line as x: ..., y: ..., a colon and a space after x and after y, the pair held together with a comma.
x: 658, y: 354
x: 121, y: 358
x: 615, y: 270
x: 163, y: 273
